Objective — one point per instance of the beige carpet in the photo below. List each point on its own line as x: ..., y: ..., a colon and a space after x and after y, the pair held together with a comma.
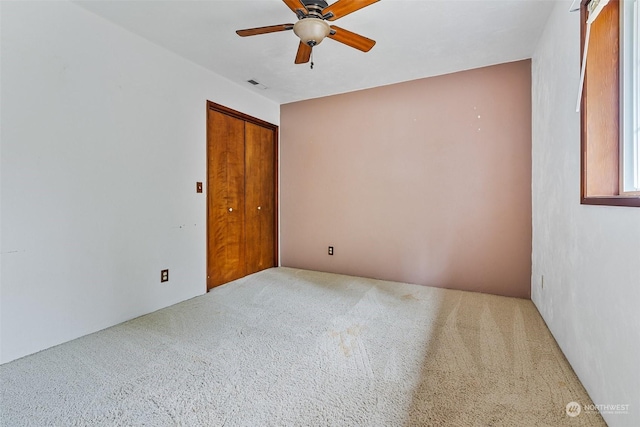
x: 288, y: 347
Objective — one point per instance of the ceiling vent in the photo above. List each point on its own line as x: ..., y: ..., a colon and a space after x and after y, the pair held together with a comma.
x: 256, y: 84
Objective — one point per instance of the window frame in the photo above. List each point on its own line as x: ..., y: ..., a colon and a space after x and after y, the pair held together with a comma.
x: 630, y: 98
x: 600, y: 112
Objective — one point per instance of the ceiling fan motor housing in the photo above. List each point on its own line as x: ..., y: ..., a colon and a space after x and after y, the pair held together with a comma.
x: 314, y: 9
x: 315, y: 4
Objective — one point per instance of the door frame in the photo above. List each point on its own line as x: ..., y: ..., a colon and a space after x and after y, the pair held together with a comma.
x: 276, y: 169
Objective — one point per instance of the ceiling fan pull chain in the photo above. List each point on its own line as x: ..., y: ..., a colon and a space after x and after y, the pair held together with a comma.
x: 312, y: 58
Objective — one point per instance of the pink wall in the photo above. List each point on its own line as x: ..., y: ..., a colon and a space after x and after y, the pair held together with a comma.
x: 425, y: 182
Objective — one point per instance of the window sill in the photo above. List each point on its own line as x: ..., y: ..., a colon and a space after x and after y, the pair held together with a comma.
x: 633, y: 201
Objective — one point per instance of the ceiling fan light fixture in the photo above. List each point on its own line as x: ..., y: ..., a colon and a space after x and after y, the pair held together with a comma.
x: 311, y: 31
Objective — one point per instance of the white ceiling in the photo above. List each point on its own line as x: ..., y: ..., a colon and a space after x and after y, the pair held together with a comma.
x: 415, y: 39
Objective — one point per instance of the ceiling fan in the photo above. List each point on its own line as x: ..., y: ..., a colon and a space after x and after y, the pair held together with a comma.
x: 312, y: 27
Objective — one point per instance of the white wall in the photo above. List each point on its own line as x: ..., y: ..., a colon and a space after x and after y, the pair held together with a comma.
x: 589, y: 255
x: 103, y: 139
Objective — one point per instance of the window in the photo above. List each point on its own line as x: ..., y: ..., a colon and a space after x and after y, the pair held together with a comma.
x: 630, y: 97
x: 609, y: 109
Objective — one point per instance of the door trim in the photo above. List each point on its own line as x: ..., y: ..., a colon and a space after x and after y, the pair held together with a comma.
x: 242, y: 116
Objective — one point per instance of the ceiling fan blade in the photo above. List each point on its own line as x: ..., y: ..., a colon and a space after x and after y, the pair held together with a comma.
x: 351, y: 39
x: 304, y: 53
x: 344, y: 7
x: 264, y: 30
x: 296, y: 5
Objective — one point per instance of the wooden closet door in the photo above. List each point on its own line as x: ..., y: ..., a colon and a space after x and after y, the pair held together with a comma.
x: 260, y: 216
x: 226, y: 188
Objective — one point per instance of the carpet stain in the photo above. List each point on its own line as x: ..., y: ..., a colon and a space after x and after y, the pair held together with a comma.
x: 347, y: 339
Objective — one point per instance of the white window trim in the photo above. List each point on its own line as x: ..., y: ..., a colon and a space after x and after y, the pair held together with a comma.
x: 630, y: 98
